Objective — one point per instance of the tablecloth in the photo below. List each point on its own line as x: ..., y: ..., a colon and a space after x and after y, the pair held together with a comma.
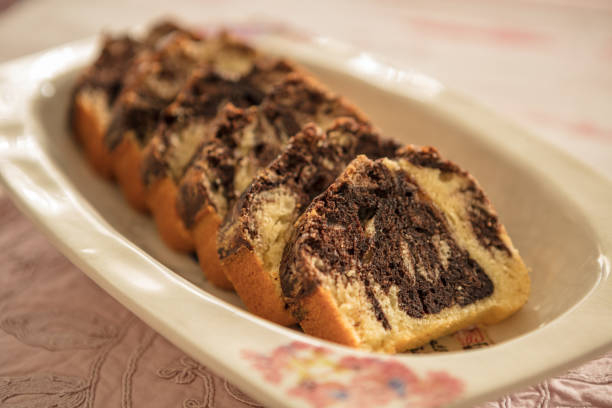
x: 543, y: 63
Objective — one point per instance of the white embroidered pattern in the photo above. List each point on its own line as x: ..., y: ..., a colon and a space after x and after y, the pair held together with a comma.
x: 185, y: 371
x: 126, y: 379
x: 42, y: 390
x: 59, y: 328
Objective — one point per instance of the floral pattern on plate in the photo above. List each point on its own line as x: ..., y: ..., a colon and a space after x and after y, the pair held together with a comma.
x: 325, y: 379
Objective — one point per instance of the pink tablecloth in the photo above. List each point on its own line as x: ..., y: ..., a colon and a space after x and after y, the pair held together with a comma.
x: 544, y: 63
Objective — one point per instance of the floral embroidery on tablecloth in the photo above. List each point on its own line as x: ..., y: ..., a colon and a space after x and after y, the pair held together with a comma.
x: 132, y: 364
x: 43, y: 390
x: 58, y: 328
x: 324, y: 379
x: 185, y: 371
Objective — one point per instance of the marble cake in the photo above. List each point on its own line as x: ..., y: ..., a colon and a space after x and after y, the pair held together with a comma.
x: 253, y: 235
x: 185, y: 124
x: 400, y: 251
x: 245, y: 141
x: 152, y: 83
x: 288, y: 194
x: 97, y: 89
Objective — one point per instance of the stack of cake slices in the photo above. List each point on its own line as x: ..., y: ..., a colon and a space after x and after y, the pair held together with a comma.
x: 289, y: 194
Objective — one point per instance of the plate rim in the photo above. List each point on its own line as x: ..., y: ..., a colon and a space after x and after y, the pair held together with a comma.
x: 30, y: 159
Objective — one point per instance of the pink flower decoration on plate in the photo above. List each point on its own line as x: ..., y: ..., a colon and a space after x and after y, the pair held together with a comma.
x: 325, y: 379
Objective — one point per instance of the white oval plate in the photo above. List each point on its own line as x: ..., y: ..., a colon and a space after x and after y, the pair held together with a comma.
x: 556, y: 210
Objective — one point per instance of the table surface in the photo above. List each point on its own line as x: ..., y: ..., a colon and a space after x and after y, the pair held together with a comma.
x: 546, y: 64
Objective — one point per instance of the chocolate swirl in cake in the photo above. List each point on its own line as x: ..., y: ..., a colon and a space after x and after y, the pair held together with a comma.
x: 247, y: 140
x: 484, y: 221
x: 305, y: 168
x: 392, y: 253
x: 108, y: 72
x: 210, y: 176
x: 375, y: 225
x: 187, y: 121
x: 256, y: 231
x: 156, y: 78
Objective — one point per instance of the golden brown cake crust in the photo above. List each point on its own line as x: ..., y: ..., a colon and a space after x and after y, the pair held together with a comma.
x: 161, y: 199
x: 319, y: 317
x: 205, y: 233
x: 126, y: 161
x: 89, y: 129
x: 257, y: 289
x: 94, y: 94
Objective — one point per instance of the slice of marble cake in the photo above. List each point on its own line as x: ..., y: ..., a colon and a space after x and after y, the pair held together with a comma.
x: 400, y: 251
x: 253, y: 235
x: 185, y: 124
x: 97, y: 89
x: 151, y: 84
x: 245, y: 141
